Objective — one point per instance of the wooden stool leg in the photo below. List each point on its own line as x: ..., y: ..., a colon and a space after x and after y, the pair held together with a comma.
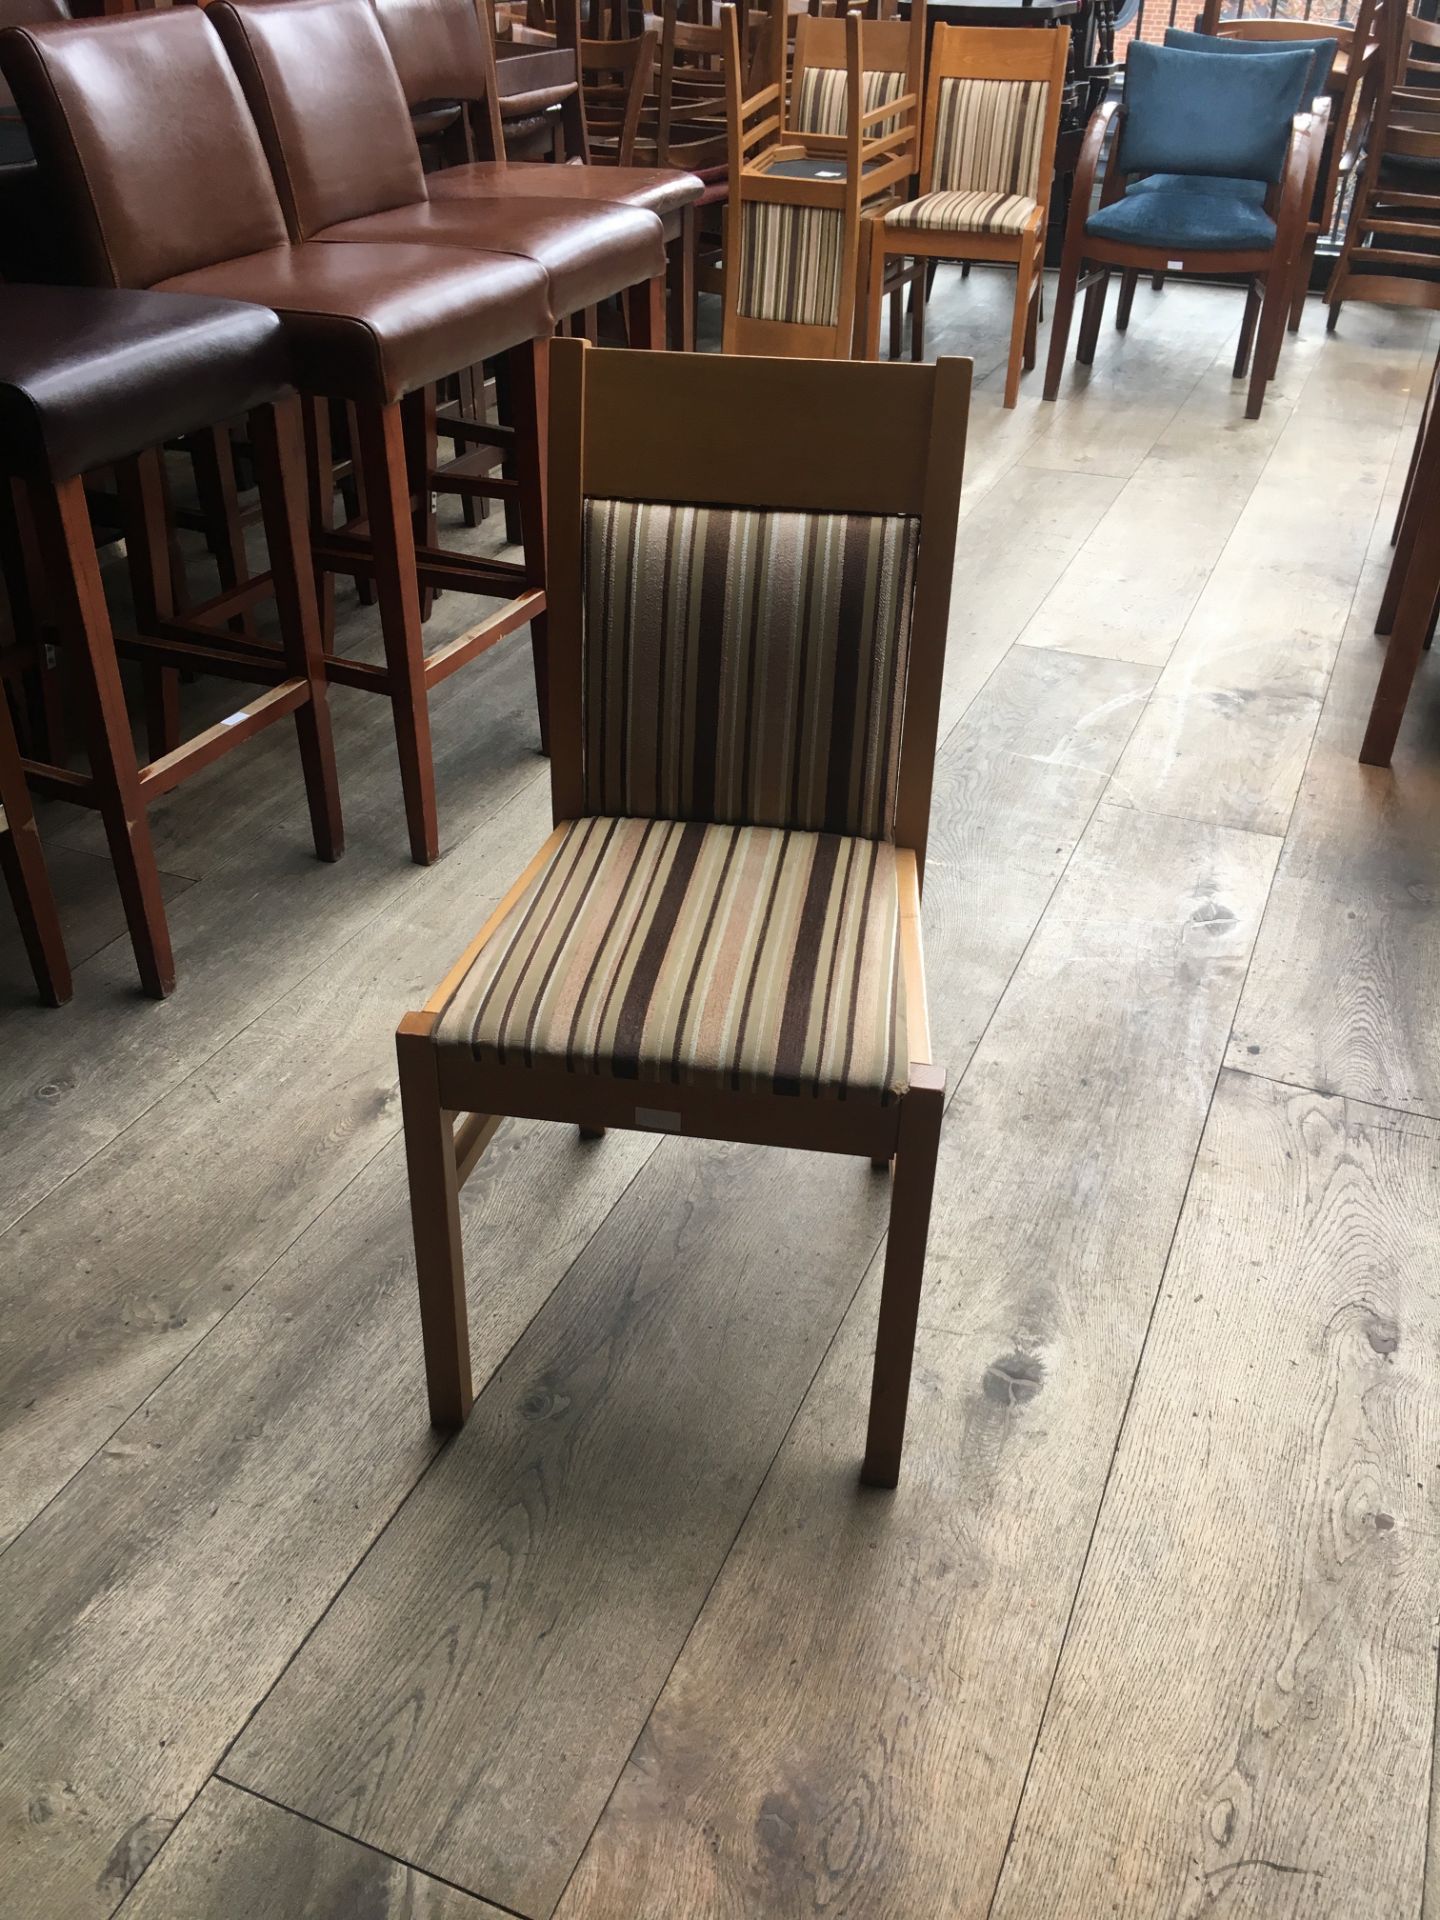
x: 387, y: 492
x: 63, y: 523
x: 530, y: 412
x: 213, y: 459
x: 23, y: 865
x: 645, y: 313
x: 422, y: 456
x: 680, y: 280
x: 921, y: 1112
x: 435, y: 1218
x: 145, y: 514
x: 279, y: 440
x: 320, y: 482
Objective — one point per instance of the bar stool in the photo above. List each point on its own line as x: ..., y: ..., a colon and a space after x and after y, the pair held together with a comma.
x: 180, y: 197
x: 92, y: 378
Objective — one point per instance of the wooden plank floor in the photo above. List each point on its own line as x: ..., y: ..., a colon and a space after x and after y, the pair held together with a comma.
x: 1149, y: 1628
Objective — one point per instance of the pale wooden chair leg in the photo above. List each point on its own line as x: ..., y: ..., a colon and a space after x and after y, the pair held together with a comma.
x: 1019, y: 325
x: 874, y: 294
x: 435, y: 1217
x: 382, y: 456
x: 921, y: 1112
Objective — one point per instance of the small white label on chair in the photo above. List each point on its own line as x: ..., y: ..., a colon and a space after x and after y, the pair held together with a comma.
x: 1174, y: 266
x: 657, y: 1120
x: 234, y: 719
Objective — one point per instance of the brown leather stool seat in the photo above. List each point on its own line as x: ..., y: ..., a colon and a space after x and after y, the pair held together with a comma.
x: 376, y: 322
x: 588, y: 252
x: 89, y: 375
x: 658, y: 190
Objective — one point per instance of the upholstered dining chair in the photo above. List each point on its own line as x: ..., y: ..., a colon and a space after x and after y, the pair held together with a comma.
x: 1220, y: 123
x: 721, y: 937
x: 992, y: 114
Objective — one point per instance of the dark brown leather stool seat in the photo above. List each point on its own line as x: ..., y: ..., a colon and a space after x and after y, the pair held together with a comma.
x: 88, y: 375
x: 588, y: 252
x: 376, y: 322
x: 658, y: 190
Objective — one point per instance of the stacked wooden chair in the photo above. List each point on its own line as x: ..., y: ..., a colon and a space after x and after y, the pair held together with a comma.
x: 1391, y: 250
x: 1411, y: 599
x: 721, y: 937
x: 992, y: 113
x: 1216, y: 129
x: 813, y: 153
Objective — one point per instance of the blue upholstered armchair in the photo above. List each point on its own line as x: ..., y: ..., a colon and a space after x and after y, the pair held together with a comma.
x: 1210, y: 169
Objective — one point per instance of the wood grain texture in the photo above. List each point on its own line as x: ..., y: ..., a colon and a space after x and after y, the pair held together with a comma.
x: 1229, y: 726
x: 236, y: 1164
x: 847, y: 1730
x: 1243, y: 1715
x: 145, y: 1613
x: 263, y: 918
x: 1344, y: 993
x: 234, y: 1857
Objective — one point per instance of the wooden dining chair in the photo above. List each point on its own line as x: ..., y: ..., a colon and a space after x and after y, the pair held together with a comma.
x: 721, y: 937
x: 798, y: 196
x: 992, y: 115
x: 1391, y: 250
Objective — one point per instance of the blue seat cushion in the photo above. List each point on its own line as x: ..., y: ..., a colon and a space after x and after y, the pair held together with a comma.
x: 1204, y: 113
x: 1321, y: 52
x: 1252, y: 190
x: 1185, y: 219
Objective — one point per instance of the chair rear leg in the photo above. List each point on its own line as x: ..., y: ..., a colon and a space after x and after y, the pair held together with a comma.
x: 1247, y: 331
x: 921, y: 1112
x: 1070, y: 266
x: 382, y: 456
x: 529, y: 382
x: 1090, y: 319
x: 645, y: 313
x: 23, y: 865
x: 1129, y: 280
x: 1274, y: 314
x: 435, y: 1218
x: 278, y: 439
x: 1302, y: 280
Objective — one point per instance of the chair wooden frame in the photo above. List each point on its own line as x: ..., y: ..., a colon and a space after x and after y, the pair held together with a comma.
x: 1089, y: 260
x: 1405, y: 126
x: 697, y: 429
x: 1411, y: 599
x: 981, y: 53
x: 875, y: 163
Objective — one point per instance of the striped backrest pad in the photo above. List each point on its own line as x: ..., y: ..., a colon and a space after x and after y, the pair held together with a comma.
x: 988, y: 135
x: 792, y: 262
x: 746, y: 668
x: 820, y: 100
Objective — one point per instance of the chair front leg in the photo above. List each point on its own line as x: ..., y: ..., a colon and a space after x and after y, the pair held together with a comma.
x: 921, y: 1112
x: 435, y: 1218
x: 1091, y: 317
x: 62, y: 521
x: 1129, y: 280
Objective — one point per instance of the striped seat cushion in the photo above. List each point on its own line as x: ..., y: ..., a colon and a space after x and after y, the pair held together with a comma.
x: 988, y: 135
x: 746, y: 667
x: 823, y: 96
x: 965, y: 212
x: 751, y: 959
x: 792, y: 260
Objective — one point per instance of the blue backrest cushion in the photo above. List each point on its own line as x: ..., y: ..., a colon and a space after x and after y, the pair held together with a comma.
x: 1321, y: 52
x: 1201, y: 113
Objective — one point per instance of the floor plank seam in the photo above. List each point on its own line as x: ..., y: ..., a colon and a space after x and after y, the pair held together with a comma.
x: 1335, y: 1093
x: 1105, y: 1488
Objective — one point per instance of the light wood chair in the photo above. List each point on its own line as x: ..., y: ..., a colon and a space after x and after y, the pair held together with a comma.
x: 992, y: 115
x: 721, y: 937
x: 798, y: 195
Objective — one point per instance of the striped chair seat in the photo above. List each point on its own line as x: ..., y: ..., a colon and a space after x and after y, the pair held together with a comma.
x: 966, y: 212
x: 754, y: 959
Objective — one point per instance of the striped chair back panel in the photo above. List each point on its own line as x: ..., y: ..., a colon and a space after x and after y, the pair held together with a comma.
x: 988, y: 135
x: 792, y: 264
x: 746, y: 668
x: 823, y: 95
